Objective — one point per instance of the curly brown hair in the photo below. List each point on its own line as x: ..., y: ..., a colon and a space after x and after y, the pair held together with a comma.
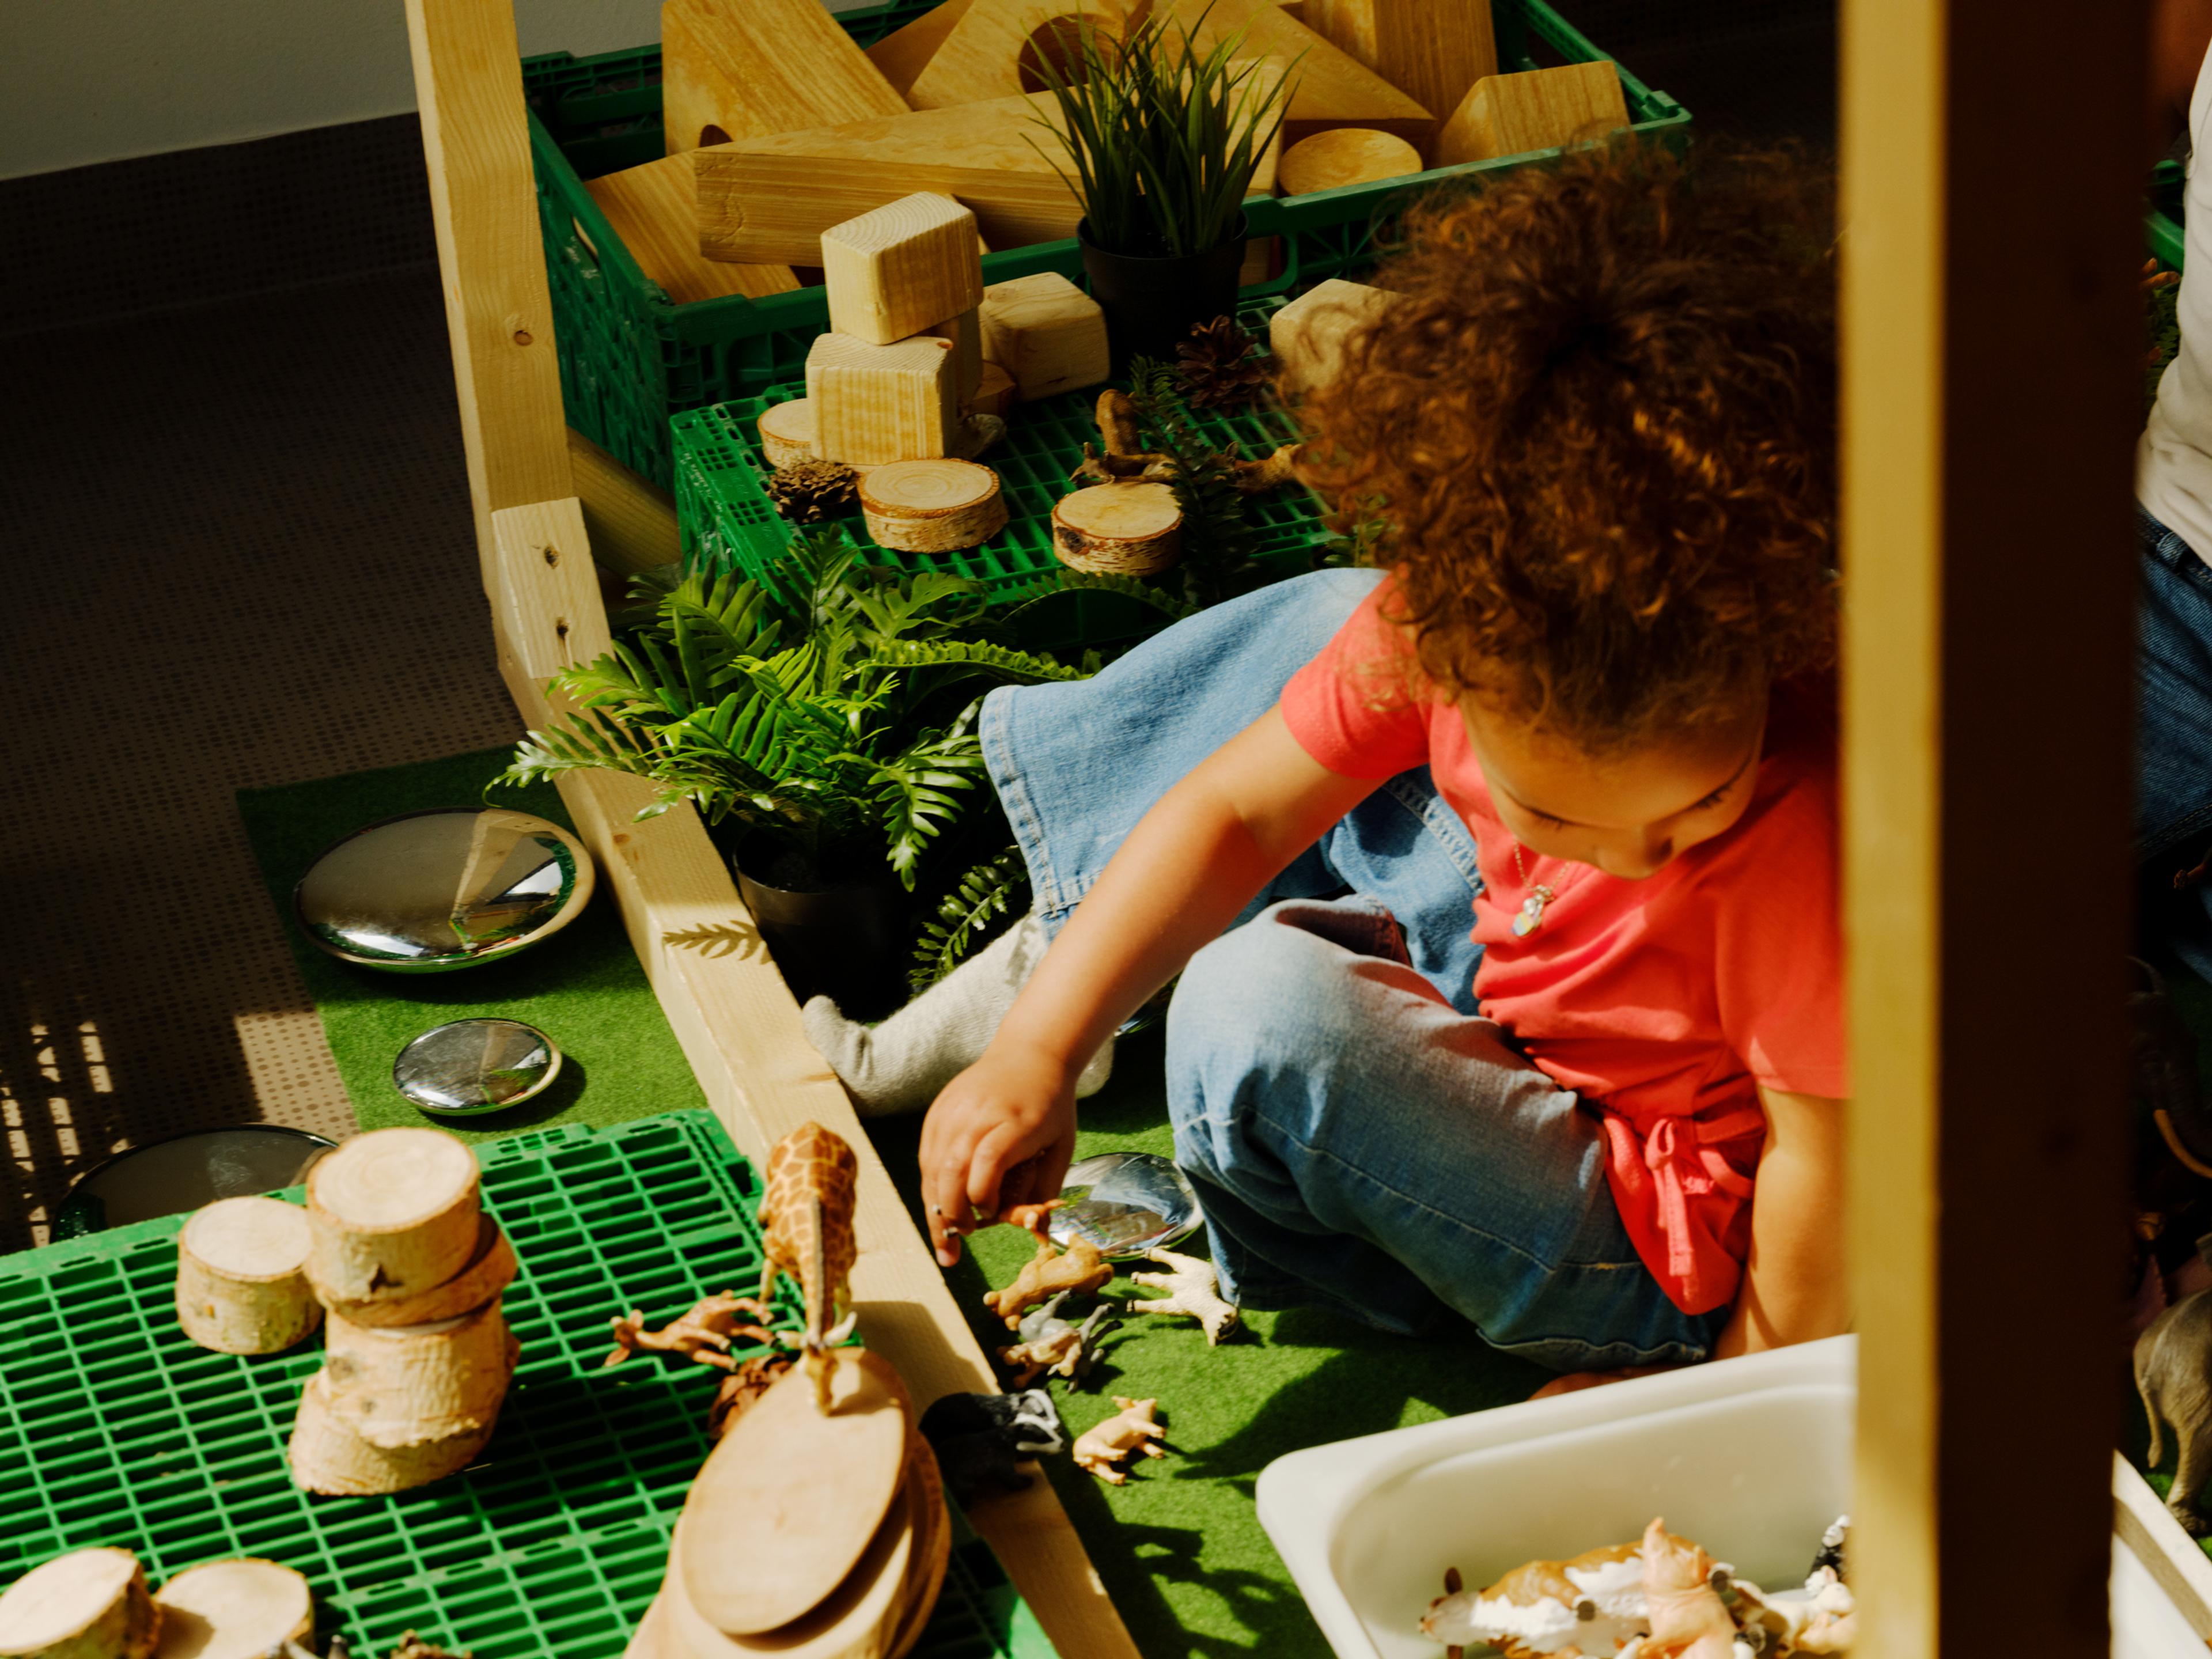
x: 1599, y: 425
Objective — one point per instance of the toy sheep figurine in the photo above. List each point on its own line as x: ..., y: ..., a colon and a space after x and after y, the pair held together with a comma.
x: 2173, y: 1374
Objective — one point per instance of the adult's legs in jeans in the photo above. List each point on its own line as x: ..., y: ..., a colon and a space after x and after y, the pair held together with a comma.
x: 2173, y: 724
x: 1359, y: 1144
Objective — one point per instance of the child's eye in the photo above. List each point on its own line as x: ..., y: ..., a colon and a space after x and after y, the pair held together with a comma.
x: 1544, y: 817
x: 1713, y: 800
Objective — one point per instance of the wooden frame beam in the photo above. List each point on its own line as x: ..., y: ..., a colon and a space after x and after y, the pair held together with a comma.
x: 1992, y: 383
x: 728, y: 1007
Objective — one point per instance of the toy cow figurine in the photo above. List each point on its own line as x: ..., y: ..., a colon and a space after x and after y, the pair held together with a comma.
x: 981, y: 1438
x: 2173, y: 1374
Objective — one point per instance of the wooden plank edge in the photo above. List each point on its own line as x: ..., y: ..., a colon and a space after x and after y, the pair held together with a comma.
x: 740, y: 1031
x: 2171, y: 1556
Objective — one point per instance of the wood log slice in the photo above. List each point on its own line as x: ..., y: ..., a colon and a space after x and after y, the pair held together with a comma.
x: 394, y: 1213
x: 934, y: 506
x: 89, y: 1604
x: 405, y: 1385
x: 1118, y: 529
x: 489, y: 1272
x: 236, y: 1609
x: 651, y: 1639
x: 789, y: 1499
x: 241, y: 1279
x: 327, y: 1456
x: 786, y: 432
x: 925, y: 1490
x: 1345, y: 156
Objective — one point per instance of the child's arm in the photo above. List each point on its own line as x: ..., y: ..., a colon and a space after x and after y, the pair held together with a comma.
x: 1190, y: 864
x: 1797, y: 1286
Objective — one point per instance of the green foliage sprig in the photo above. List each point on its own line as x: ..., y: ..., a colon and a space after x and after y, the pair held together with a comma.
x: 1217, y: 537
x: 993, y: 889
x: 1165, y: 138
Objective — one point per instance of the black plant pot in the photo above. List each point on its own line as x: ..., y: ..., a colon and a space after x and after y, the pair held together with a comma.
x: 841, y: 942
x: 1152, y: 304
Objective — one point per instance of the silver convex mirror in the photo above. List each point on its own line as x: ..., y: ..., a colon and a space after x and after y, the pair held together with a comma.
x: 429, y: 892
x: 1125, y: 1203
x: 475, y: 1065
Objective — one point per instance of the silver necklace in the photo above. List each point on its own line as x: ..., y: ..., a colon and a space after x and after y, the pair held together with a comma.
x: 1532, y: 908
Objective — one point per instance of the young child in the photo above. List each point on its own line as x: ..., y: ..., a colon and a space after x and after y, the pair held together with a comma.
x: 1588, y: 696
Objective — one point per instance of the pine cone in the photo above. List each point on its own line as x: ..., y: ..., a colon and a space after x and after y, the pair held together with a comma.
x: 1219, y: 367
x: 810, y: 492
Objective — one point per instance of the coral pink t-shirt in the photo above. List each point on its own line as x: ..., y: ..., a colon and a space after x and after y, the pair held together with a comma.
x: 1667, y: 1003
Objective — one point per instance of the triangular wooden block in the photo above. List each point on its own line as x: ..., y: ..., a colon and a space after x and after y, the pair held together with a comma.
x: 743, y: 68
x: 1333, y: 88
x: 768, y: 200
x: 904, y: 54
x: 655, y: 209
x: 1538, y: 109
x: 982, y: 53
x: 1432, y: 50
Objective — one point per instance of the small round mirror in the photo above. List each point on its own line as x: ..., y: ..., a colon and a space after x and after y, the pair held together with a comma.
x: 473, y: 1065
x: 1125, y: 1203
x: 183, y: 1171
x: 449, y: 888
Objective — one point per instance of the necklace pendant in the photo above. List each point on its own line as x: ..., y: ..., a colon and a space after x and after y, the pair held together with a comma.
x: 1532, y: 912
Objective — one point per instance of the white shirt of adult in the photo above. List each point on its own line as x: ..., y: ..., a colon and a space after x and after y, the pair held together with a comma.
x: 2173, y: 458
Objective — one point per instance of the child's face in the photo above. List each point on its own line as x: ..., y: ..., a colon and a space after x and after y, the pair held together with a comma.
x: 1628, y: 814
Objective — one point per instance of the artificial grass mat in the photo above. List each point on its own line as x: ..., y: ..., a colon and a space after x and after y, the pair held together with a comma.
x: 1180, y: 1546
x: 582, y: 988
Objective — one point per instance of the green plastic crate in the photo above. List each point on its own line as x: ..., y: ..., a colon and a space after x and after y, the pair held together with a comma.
x: 630, y: 358
x: 119, y: 1430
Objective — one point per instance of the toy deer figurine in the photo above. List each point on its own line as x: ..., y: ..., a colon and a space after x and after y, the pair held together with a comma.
x: 703, y: 1334
x: 806, y: 1231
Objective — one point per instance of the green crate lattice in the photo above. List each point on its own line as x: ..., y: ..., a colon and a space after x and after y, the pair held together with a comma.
x: 119, y: 1430
x: 630, y: 358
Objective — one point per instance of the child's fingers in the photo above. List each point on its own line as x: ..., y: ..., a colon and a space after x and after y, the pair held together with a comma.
x: 997, y: 1154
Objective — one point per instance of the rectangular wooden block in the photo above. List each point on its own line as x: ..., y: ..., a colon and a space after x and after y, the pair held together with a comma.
x: 770, y: 199
x: 655, y: 209
x: 874, y: 403
x: 965, y: 332
x: 1431, y: 50
x: 897, y: 269
x: 980, y: 56
x: 743, y: 68
x: 1333, y: 88
x: 1308, y: 335
x: 1046, y: 332
x: 1537, y: 109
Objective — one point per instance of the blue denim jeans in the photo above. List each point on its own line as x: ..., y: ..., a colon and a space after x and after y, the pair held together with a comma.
x: 1361, y: 1138
x: 2173, y: 720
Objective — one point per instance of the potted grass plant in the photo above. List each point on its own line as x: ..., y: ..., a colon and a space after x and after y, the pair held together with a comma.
x: 827, y: 737
x: 1163, y: 140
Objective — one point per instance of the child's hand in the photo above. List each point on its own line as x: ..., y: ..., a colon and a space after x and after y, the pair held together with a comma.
x: 1001, y: 1133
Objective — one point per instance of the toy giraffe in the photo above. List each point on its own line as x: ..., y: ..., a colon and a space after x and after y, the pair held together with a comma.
x: 806, y: 1230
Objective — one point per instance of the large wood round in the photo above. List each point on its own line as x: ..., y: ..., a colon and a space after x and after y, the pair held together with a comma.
x: 933, y: 506
x: 1118, y: 529
x: 89, y: 1604
x: 1345, y: 156
x: 394, y: 1213
x: 235, y: 1610
x: 241, y: 1283
x: 925, y: 1490
x: 786, y: 432
x: 790, y: 1498
x: 489, y: 1272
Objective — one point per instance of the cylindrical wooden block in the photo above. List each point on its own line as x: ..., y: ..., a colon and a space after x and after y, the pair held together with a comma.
x: 1118, y: 529
x: 403, y: 1385
x: 394, y: 1214
x: 490, y: 1271
x: 328, y: 1456
x: 786, y: 432
x: 932, y: 506
x: 236, y: 1609
x: 242, y: 1280
x: 1345, y: 156
x: 89, y: 1604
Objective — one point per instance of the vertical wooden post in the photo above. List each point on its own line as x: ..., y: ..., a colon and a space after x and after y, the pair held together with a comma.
x: 1992, y: 346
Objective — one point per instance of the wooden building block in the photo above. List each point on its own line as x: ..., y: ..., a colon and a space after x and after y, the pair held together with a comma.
x: 965, y: 332
x: 874, y: 403
x: 1537, y: 109
x: 655, y: 209
x: 904, y: 54
x: 981, y: 53
x: 743, y: 68
x: 1308, y: 335
x: 894, y: 270
x: 1432, y: 50
x: 770, y: 199
x: 1345, y: 156
x: 1333, y: 88
x: 995, y: 391
x: 1046, y: 332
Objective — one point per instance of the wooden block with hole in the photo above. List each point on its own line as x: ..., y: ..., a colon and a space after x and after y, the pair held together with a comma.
x: 1345, y: 156
x: 1432, y: 50
x: 1046, y: 332
x: 983, y: 54
x: 1308, y: 335
x: 1333, y: 88
x: 742, y: 69
x: 768, y: 200
x: 900, y: 268
x: 904, y: 54
x: 1538, y: 109
x: 932, y: 507
x: 873, y: 404
x: 655, y: 209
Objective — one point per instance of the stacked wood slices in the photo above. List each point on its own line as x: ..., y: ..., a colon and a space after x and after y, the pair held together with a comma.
x: 408, y: 1271
x: 95, y: 1604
